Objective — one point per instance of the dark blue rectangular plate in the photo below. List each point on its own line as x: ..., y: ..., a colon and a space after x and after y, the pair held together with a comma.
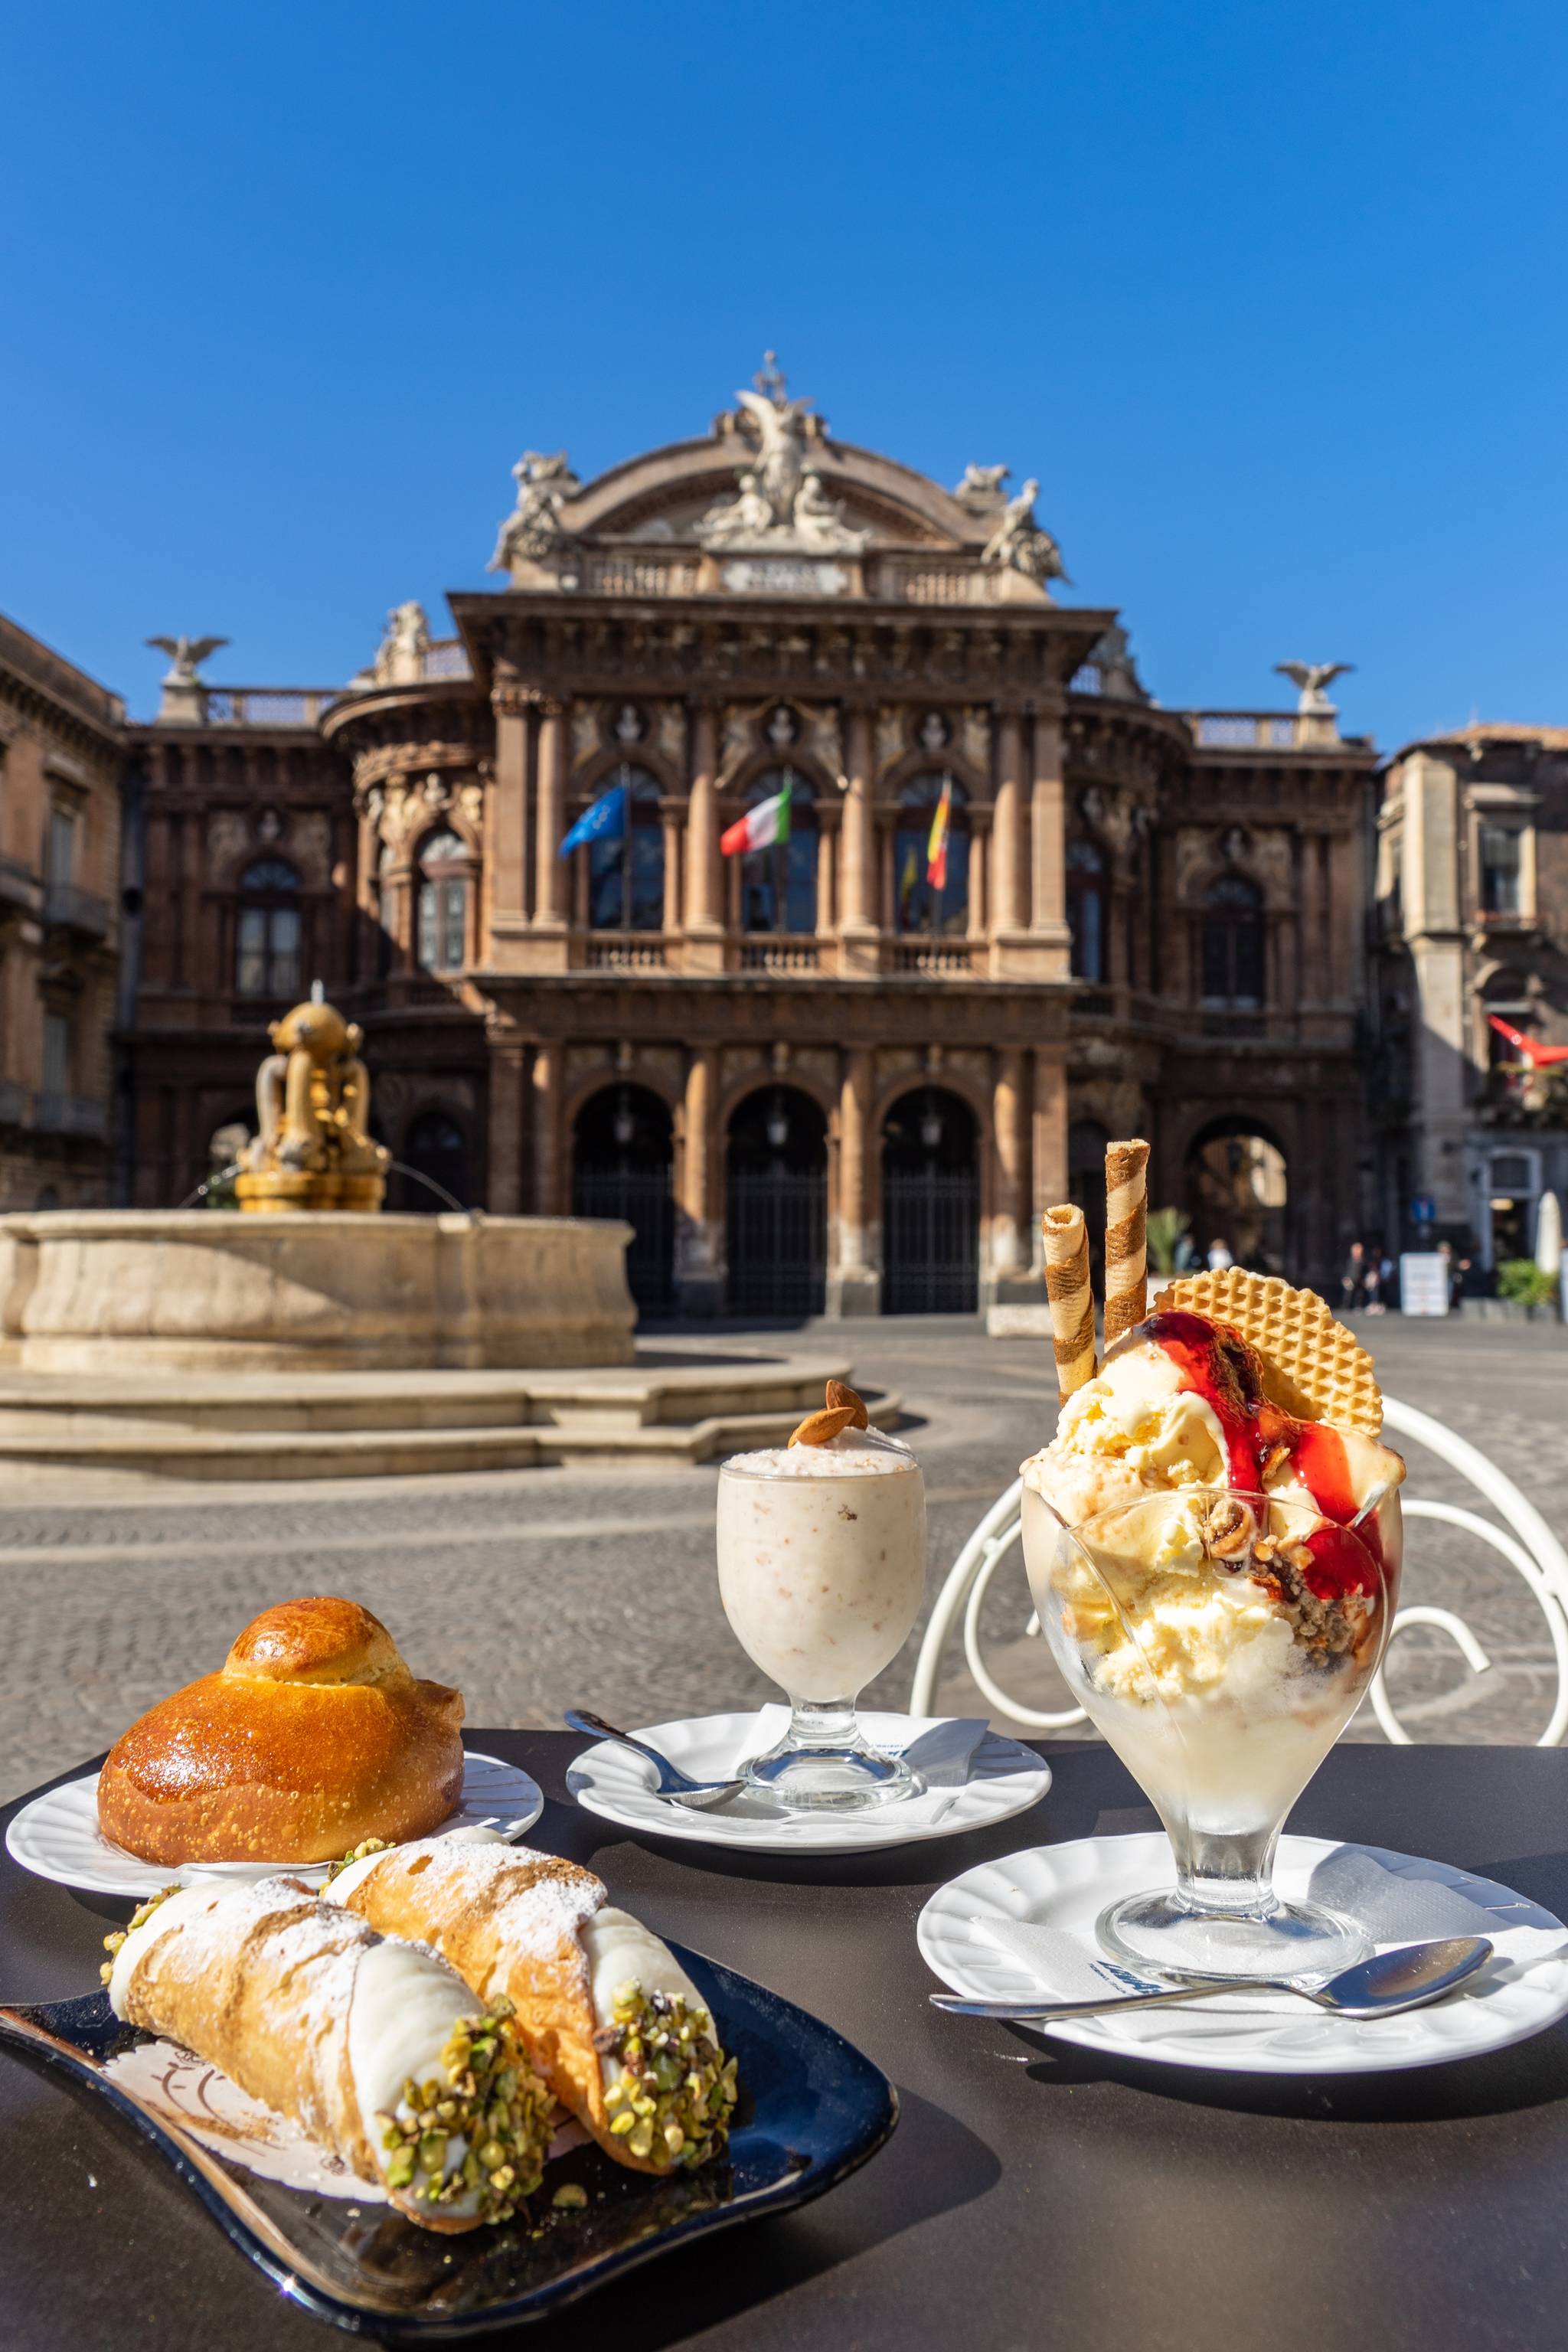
x: 811, y: 2109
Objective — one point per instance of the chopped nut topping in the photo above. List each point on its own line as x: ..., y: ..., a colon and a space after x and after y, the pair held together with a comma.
x: 1227, y: 1528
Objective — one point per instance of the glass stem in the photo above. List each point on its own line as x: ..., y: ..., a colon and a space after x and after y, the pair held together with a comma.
x: 822, y: 1723
x: 1221, y: 1872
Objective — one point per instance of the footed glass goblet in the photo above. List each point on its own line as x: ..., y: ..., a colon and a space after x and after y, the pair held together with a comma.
x: 1221, y: 1642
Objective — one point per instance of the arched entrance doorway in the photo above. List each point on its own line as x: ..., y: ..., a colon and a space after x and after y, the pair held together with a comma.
x: 435, y: 1154
x: 776, y: 1201
x: 930, y: 1205
x: 1237, y: 1193
x: 621, y: 1167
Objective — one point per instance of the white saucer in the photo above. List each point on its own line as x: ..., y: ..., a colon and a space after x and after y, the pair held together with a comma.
x: 1523, y: 1989
x: 1004, y: 1779
x: 58, y: 1837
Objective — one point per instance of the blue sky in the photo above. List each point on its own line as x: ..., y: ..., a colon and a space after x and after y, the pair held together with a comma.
x: 1270, y: 298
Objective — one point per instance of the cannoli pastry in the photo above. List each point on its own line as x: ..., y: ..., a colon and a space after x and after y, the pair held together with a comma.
x: 605, y: 2010
x: 375, y: 2049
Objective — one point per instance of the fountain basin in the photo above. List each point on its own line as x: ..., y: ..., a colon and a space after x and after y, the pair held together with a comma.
x: 103, y: 1290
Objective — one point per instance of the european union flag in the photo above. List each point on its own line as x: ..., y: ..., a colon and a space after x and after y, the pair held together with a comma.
x: 605, y: 821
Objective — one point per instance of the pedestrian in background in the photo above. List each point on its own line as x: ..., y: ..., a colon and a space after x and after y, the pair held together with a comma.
x: 1219, y: 1258
x: 1353, y: 1275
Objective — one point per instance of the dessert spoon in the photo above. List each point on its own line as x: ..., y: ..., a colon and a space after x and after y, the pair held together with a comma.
x: 1405, y: 1978
x: 677, y: 1786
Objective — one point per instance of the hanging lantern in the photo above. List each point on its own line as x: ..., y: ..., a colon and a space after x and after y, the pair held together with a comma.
x: 778, y: 1124
x: 931, y: 1127
x: 625, y: 1126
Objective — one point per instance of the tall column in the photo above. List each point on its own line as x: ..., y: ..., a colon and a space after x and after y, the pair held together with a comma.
x: 506, y: 907
x: 503, y: 1188
x: 1008, y: 879
x: 704, y: 916
x: 699, y: 1241
x: 854, y: 1285
x: 1049, y: 830
x: 1049, y: 1156
x: 1009, y: 1241
x: 859, y: 920
x: 548, y: 1190
x: 670, y: 817
x: 551, y: 868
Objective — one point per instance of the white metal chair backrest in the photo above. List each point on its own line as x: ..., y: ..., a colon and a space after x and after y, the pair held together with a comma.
x: 1527, y: 1543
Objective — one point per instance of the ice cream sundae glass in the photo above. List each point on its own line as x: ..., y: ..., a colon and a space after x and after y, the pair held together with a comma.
x: 1213, y: 1545
x: 822, y: 1571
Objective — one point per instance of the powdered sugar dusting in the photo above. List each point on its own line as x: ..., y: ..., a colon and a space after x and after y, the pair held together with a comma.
x: 543, y: 1901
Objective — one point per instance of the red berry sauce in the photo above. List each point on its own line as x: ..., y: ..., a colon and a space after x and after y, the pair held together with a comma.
x: 1218, y: 1365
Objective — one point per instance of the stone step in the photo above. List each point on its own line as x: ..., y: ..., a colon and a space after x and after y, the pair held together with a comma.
x: 665, y: 1388
x: 163, y: 1448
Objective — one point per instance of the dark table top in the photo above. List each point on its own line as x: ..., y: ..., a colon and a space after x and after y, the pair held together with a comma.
x: 1034, y: 2194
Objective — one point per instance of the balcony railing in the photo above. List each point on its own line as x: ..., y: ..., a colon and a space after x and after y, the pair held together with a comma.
x: 70, y: 1115
x: 18, y: 887
x: 625, y: 951
x: 1246, y: 731
x: 932, y: 958
x: 71, y: 909
x: 639, y: 575
x: 268, y: 706
x: 13, y: 1104
x: 779, y: 955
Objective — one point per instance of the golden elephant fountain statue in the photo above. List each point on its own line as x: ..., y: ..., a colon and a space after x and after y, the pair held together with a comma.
x: 312, y: 1149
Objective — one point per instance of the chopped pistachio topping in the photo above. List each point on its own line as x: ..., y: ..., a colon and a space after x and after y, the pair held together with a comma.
x: 138, y: 1918
x: 490, y: 2103
x: 672, y: 2099
x: 358, y: 1854
x: 570, y: 2194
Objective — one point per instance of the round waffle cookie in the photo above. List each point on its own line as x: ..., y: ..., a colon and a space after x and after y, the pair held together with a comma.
x: 1314, y: 1366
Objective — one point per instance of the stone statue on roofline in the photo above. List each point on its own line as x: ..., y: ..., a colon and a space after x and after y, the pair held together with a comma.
x: 980, y: 488
x: 1019, y: 545
x: 534, y: 532
x: 781, y: 504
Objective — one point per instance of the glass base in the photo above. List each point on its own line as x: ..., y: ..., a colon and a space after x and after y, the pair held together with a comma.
x: 821, y: 1774
x: 1165, y: 1932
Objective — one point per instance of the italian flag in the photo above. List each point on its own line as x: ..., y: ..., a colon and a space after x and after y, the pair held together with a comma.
x: 759, y: 828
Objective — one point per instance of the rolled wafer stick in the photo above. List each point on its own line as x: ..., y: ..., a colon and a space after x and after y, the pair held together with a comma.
x: 1126, y: 1259
x: 1073, y: 1300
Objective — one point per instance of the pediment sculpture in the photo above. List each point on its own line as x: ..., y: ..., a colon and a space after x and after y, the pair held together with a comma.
x: 533, y: 531
x: 781, y: 502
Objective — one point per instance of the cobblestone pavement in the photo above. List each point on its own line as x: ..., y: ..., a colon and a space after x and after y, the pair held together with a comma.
x: 532, y: 1589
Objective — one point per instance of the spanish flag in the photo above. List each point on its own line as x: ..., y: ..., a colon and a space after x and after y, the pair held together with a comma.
x: 936, y: 848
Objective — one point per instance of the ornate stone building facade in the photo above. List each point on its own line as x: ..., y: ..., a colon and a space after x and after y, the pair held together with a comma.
x: 836, y: 1072
x: 1472, y: 917
x: 61, y: 748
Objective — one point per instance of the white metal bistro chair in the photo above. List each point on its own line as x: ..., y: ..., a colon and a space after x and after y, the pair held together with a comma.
x: 1525, y: 1541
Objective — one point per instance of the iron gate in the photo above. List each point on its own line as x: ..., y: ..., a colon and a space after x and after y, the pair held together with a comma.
x: 642, y: 1196
x: 931, y: 1241
x: 777, y: 1242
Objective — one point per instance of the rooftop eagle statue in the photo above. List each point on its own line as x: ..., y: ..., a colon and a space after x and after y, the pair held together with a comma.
x: 187, y: 655
x: 1313, y: 678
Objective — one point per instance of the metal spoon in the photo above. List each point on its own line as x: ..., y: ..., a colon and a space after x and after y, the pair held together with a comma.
x: 677, y: 1786
x: 1405, y: 1978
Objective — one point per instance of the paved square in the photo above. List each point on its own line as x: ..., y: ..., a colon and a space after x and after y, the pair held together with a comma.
x: 534, y: 1589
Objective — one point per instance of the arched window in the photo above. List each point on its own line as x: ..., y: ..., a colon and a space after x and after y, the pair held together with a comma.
x: 778, y: 885
x: 1086, y: 894
x: 932, y: 895
x: 1232, y: 943
x: 625, y: 876
x: 445, y: 869
x: 435, y: 1150
x: 266, y: 940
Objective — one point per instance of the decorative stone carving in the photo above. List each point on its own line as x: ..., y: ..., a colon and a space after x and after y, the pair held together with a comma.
x: 980, y: 488
x: 669, y: 734
x: 889, y: 735
x: 310, y: 843
x: 1118, y: 670
x: 1020, y: 545
x: 400, y: 657
x: 229, y: 840
x: 584, y: 730
x: 824, y: 742
x: 630, y: 726
x: 472, y: 801
x: 934, y: 731
x: 186, y: 656
x: 781, y: 501
x: 737, y: 738
x: 977, y: 740
x: 533, y: 531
